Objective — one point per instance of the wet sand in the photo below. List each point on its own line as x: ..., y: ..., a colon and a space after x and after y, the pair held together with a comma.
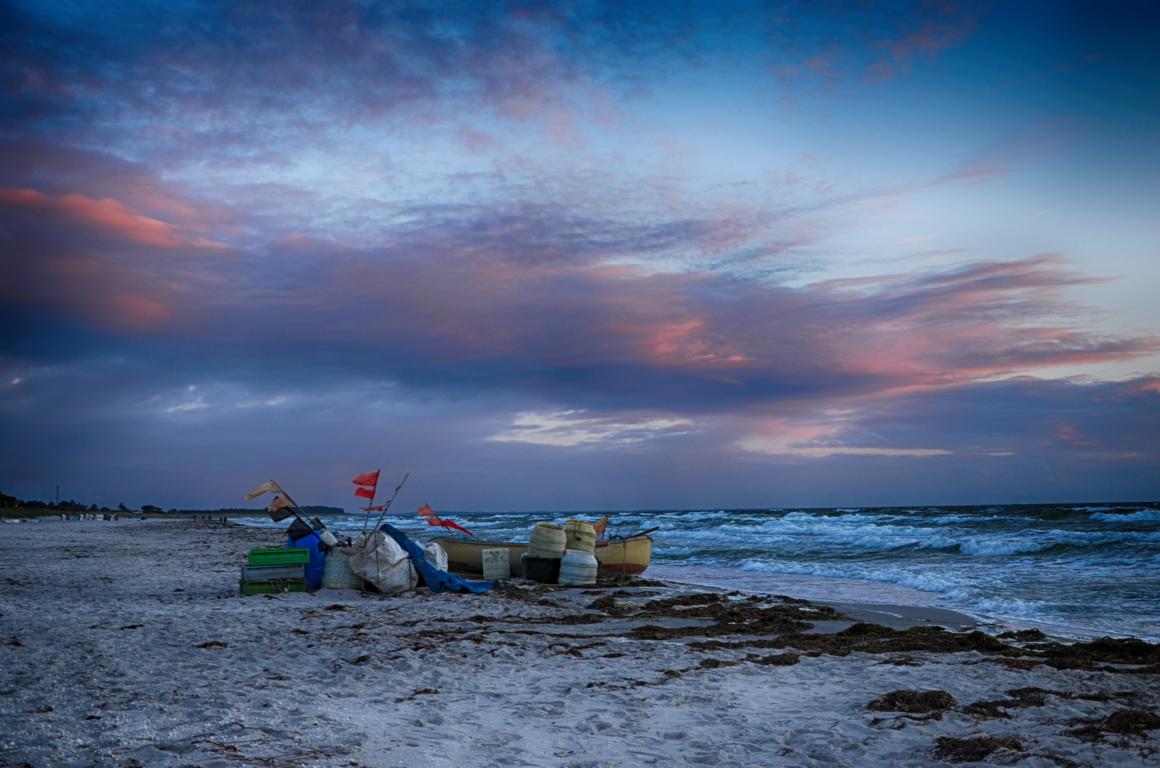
x: 127, y: 644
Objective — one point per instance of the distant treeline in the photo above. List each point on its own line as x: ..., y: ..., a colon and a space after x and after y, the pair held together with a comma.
x: 11, y: 502
x: 312, y: 511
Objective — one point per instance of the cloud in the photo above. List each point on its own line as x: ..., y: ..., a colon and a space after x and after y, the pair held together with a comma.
x: 807, y: 438
x: 872, y: 42
x: 456, y: 226
x: 573, y: 428
x: 110, y: 216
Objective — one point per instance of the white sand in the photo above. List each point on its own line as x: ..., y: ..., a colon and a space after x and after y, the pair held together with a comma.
x: 100, y: 665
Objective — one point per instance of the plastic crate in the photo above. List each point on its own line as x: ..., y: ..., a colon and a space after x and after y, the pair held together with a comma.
x: 273, y: 572
x: 279, y: 556
x: 272, y: 587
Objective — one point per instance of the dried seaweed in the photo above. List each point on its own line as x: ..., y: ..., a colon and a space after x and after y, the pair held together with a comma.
x: 973, y: 749
x: 912, y: 702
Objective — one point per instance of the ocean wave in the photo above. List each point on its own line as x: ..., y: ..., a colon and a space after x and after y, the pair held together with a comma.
x: 992, y: 548
x: 1139, y: 516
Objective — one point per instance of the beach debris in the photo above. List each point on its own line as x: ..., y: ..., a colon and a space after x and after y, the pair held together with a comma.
x: 1131, y: 654
x: 417, y: 692
x: 1122, y: 722
x: 989, y: 709
x: 749, y: 616
x: 1023, y: 635
x: 608, y: 605
x: 913, y: 702
x: 974, y: 748
x: 902, y: 660
x: 212, y: 644
x: 1022, y: 698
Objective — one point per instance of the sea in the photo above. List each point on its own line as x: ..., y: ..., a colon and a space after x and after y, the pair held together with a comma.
x: 1073, y: 570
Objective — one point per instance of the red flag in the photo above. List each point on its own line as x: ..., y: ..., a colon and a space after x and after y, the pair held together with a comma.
x: 434, y: 521
x: 367, y: 478
x: 426, y: 511
x: 366, y: 493
x: 456, y: 526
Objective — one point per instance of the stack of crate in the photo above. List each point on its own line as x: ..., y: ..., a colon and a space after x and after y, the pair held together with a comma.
x: 280, y: 569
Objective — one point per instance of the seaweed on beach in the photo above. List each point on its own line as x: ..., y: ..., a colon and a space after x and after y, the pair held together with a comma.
x: 775, y: 659
x: 1122, y: 722
x: 989, y: 709
x: 417, y: 692
x: 609, y: 606
x: 1104, y: 649
x: 752, y: 616
x: 873, y: 638
x: 974, y: 748
x: 1024, y: 635
x: 930, y: 703
x: 1133, y: 655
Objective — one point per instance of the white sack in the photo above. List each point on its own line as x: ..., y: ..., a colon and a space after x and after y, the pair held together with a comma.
x: 436, y: 555
x: 382, y: 562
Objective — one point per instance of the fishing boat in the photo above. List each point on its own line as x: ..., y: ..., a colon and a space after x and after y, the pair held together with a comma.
x: 627, y: 556
x: 617, y: 556
x: 466, y: 555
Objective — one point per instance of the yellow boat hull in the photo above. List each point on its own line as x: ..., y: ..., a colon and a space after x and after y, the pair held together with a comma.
x: 467, y: 556
x: 622, y: 557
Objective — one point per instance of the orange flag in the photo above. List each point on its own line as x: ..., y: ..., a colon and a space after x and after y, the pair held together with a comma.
x: 370, y: 479
x: 426, y: 511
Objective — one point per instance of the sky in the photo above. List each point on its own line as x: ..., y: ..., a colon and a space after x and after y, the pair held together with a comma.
x: 581, y: 255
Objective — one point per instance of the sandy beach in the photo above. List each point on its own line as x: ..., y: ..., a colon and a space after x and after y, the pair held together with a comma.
x: 127, y: 644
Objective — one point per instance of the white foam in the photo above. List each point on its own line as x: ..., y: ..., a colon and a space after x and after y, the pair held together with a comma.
x: 1139, y: 516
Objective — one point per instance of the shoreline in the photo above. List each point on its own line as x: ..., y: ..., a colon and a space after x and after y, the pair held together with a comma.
x: 156, y: 660
x: 855, y: 592
x: 1014, y: 600
x: 954, y: 616
x: 914, y: 603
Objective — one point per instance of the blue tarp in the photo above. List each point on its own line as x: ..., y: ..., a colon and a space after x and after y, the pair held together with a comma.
x: 436, y: 580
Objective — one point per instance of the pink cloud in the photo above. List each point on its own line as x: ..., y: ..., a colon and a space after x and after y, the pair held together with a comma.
x: 1066, y: 433
x: 109, y: 215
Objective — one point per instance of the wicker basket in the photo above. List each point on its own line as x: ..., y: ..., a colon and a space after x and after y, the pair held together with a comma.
x: 337, y: 573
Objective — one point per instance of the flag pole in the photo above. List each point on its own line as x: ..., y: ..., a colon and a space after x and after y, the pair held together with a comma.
x: 391, y: 500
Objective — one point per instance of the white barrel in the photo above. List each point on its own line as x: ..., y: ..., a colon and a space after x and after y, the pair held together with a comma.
x: 578, y: 568
x: 547, y: 540
x: 336, y: 574
x: 580, y: 535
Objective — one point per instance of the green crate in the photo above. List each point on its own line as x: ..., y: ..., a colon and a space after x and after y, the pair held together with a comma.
x: 272, y: 587
x: 272, y: 572
x: 280, y: 556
